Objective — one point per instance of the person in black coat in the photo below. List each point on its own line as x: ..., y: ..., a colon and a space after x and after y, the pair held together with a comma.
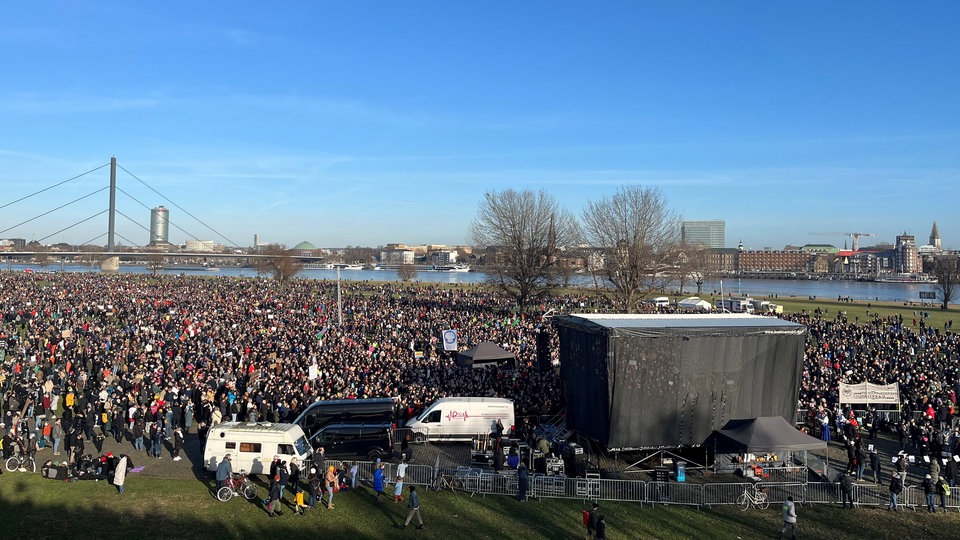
x: 601, y: 531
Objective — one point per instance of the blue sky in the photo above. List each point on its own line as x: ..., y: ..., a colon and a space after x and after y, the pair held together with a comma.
x: 365, y: 123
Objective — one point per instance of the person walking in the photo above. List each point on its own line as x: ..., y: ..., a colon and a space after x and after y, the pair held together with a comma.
x: 398, y: 490
x: 378, y: 479
x: 414, y: 506
x: 789, y: 513
x: 273, y: 500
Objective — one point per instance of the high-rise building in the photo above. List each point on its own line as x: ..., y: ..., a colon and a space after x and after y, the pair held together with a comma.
x: 159, y: 226
x: 709, y: 233
x: 906, y: 257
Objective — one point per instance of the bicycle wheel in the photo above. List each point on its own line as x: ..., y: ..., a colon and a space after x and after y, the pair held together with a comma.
x: 31, y: 465
x: 763, y: 502
x: 249, y: 491
x: 743, y: 502
x: 225, y: 494
x: 13, y: 464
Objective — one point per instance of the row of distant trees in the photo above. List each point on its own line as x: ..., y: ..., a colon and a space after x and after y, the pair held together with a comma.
x: 637, y: 235
x: 634, y: 229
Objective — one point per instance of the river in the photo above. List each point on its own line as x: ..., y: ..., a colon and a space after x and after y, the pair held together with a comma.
x: 757, y: 288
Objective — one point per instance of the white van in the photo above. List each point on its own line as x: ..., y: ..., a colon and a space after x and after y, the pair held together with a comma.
x: 661, y: 301
x: 252, y: 445
x: 461, y: 418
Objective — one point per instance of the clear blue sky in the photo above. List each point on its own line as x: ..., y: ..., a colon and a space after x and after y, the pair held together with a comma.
x: 365, y: 123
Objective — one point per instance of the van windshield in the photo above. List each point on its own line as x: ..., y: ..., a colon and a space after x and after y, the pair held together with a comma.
x: 302, y: 446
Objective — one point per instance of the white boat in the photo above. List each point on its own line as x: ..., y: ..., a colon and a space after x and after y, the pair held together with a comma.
x: 345, y: 266
x: 905, y: 278
x: 453, y: 268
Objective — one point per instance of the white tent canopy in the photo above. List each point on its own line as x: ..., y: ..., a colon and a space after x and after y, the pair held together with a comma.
x: 694, y: 303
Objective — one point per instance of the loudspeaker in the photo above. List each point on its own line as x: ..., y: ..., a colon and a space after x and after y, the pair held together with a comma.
x: 543, y: 350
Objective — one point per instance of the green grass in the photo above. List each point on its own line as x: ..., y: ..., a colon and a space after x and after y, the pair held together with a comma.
x: 31, y: 507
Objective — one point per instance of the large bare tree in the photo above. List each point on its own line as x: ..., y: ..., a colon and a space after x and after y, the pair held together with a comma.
x: 407, y: 272
x: 946, y: 268
x: 696, y: 264
x: 638, y: 235
x: 524, y: 230
x: 281, y: 263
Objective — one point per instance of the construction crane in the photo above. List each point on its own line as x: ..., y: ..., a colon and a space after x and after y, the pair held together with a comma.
x: 856, y: 236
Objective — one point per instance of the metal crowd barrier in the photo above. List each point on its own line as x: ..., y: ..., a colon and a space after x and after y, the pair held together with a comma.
x: 593, y: 488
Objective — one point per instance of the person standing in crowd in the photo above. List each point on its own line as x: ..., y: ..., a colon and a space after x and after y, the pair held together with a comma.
x: 120, y: 474
x: 177, y: 442
x: 313, y: 486
x: 591, y: 520
x: 378, y: 479
x: 601, y: 532
x: 789, y: 514
x: 523, y: 481
x: 943, y: 490
x: 330, y: 481
x: 875, y: 464
x: 846, y: 490
x: 56, y: 432
x: 414, y: 506
x: 224, y: 470
x: 928, y: 491
x: 896, y: 486
x: 398, y: 489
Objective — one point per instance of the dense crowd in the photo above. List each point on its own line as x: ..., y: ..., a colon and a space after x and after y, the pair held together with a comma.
x: 139, y: 355
x: 924, y: 360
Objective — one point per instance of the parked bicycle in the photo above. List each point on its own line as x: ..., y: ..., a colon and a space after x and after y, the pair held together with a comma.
x: 22, y: 459
x: 238, y: 484
x: 757, y: 497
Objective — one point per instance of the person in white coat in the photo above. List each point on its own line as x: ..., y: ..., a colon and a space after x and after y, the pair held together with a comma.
x: 120, y: 474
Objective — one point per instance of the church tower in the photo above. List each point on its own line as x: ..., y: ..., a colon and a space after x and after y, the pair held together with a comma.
x: 935, y: 237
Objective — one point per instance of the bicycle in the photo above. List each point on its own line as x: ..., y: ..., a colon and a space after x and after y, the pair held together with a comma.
x: 22, y: 459
x: 445, y: 480
x: 238, y: 484
x: 757, y: 498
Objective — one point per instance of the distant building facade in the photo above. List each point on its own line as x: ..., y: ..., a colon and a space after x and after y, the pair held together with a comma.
x: 906, y: 256
x: 708, y: 233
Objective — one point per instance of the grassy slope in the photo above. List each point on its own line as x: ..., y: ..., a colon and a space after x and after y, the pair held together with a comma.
x: 31, y: 507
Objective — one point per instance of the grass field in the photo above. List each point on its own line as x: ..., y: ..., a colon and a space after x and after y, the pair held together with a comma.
x: 31, y: 507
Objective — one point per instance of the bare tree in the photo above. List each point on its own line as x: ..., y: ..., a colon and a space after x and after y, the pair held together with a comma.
x: 407, y: 272
x: 155, y: 262
x: 946, y: 268
x: 280, y: 263
x: 695, y: 264
x: 638, y: 235
x: 525, y: 231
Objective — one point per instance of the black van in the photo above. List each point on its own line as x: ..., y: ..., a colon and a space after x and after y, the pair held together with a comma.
x: 355, y: 439
x: 368, y: 411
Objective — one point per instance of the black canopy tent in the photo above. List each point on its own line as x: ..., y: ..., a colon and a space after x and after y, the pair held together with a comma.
x: 765, y: 434
x: 485, y: 354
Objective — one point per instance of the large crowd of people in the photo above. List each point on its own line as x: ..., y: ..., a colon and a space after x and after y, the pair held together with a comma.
x: 137, y: 356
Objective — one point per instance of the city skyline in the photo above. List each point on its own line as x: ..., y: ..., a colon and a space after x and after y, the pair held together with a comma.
x: 370, y: 123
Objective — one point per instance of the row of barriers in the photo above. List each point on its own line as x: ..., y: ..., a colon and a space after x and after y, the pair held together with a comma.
x: 476, y: 481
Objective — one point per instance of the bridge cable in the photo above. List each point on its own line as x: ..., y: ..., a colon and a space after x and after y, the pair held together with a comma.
x: 94, y: 238
x: 231, y: 242
x: 55, y: 209
x: 75, y: 224
x: 53, y: 186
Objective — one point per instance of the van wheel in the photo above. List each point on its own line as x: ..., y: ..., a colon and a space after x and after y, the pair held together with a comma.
x: 419, y: 437
x: 374, y: 455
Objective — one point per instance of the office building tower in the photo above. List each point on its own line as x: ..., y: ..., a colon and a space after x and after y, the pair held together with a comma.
x: 709, y: 233
x: 159, y: 226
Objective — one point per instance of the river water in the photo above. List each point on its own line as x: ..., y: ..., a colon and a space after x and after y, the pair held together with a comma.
x: 757, y: 288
